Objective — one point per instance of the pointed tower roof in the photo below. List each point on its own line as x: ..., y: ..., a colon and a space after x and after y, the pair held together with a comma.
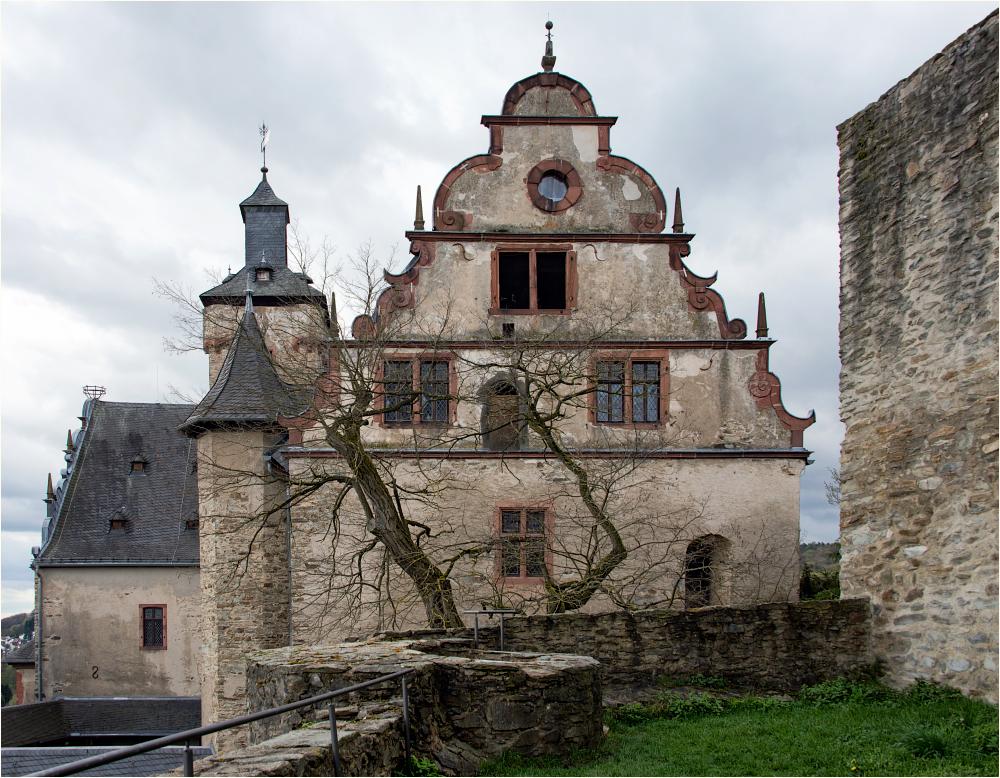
x: 247, y: 391
x: 263, y: 195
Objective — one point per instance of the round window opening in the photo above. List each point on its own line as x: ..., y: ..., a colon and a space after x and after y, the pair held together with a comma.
x: 553, y: 187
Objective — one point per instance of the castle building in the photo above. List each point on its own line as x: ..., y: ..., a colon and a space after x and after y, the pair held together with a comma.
x: 547, y: 409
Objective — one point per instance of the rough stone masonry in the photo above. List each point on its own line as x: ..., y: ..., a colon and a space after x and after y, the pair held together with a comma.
x: 918, y: 344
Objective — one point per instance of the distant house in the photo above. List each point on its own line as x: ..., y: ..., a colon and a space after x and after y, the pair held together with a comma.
x: 22, y: 660
x: 117, y: 576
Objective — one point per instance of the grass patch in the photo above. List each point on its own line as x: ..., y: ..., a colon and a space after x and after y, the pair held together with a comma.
x: 837, y: 728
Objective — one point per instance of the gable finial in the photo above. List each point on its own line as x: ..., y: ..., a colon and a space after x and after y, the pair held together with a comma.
x: 69, y: 441
x: 549, y: 60
x: 418, y: 219
x: 678, y: 216
x: 50, y: 493
x: 265, y: 136
x: 761, y: 318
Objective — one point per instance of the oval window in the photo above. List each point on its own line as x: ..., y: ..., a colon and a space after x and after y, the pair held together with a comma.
x: 553, y: 187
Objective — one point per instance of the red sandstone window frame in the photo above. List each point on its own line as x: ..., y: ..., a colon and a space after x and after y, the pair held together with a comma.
x: 628, y: 358
x: 502, y: 580
x: 415, y: 361
x: 532, y: 250
x: 142, y: 626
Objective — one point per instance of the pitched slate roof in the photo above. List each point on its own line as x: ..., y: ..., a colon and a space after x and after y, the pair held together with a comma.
x: 24, y: 761
x: 262, y: 195
x: 154, y: 505
x: 24, y: 654
x: 247, y: 390
x: 64, y: 717
x: 284, y: 287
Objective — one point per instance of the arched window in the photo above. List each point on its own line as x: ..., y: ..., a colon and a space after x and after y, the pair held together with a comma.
x: 500, y: 422
x: 703, y: 570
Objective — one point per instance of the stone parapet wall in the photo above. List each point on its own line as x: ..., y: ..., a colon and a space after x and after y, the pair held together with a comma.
x: 777, y: 645
x: 464, y: 705
x: 918, y: 225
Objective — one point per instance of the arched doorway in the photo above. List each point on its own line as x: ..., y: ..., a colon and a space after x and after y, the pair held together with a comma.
x: 703, y: 570
x: 501, y: 429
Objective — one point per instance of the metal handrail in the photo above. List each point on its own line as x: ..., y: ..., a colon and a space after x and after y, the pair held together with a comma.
x: 71, y: 768
x: 488, y: 612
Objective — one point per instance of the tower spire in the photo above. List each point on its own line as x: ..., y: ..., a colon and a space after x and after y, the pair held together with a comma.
x: 549, y: 60
x: 418, y: 219
x: 761, y: 318
x: 678, y: 216
x: 50, y: 493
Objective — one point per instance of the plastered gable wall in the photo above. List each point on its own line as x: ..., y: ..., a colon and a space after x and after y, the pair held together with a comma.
x: 93, y: 632
x: 918, y: 222
x: 659, y: 510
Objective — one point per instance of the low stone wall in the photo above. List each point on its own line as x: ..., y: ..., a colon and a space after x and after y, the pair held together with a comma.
x: 779, y: 646
x: 464, y: 705
x: 370, y: 743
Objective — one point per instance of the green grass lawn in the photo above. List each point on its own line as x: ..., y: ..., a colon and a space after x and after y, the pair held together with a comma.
x: 896, y: 735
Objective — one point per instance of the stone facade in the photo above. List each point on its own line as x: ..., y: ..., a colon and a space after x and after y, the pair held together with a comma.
x: 918, y: 224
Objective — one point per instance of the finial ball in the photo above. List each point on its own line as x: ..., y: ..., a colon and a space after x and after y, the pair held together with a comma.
x: 548, y: 25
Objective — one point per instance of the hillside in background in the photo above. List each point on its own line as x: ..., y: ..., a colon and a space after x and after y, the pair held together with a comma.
x: 815, y: 555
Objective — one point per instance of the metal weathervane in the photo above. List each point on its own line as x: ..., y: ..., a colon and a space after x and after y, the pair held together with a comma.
x: 265, y: 136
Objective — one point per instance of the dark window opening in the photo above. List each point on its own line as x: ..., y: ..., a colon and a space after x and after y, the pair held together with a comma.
x: 502, y: 428
x: 117, y: 525
x: 645, y: 391
x: 551, y: 269
x: 191, y: 524
x: 610, y: 392
x: 433, y: 391
x: 152, y: 626
x: 698, y: 573
x: 508, y: 330
x: 522, y: 542
x: 515, y: 280
x: 398, y: 391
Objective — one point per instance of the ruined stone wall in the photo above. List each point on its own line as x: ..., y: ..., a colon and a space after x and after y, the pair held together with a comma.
x: 918, y: 225
x: 777, y: 645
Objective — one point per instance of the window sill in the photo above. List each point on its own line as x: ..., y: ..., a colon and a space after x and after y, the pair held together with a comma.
x: 530, y: 311
x: 153, y: 648
x: 632, y: 425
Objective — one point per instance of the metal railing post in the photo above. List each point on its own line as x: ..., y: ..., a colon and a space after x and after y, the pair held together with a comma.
x: 188, y: 759
x: 406, y: 725
x: 334, y: 744
x: 475, y: 630
x: 501, y: 632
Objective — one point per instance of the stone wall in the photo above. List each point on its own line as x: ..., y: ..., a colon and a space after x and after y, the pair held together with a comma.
x: 464, y: 705
x: 779, y: 646
x: 918, y: 225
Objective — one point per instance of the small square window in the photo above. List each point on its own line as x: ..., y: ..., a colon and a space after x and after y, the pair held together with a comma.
x: 191, y: 525
x: 138, y: 467
x: 117, y: 525
x: 263, y: 274
x: 154, y: 626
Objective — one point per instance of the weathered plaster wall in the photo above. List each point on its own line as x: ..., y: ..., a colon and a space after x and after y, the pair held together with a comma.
x: 659, y: 510
x: 92, y: 632
x: 244, y: 573
x: 27, y: 686
x: 918, y: 223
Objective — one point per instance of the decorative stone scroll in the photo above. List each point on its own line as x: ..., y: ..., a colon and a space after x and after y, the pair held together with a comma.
x: 765, y: 388
x: 701, y: 298
x: 456, y: 221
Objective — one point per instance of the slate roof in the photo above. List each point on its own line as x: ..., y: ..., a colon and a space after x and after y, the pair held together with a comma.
x: 285, y: 286
x: 24, y: 761
x: 247, y: 390
x: 22, y: 655
x: 262, y: 195
x: 62, y: 717
x: 154, y: 505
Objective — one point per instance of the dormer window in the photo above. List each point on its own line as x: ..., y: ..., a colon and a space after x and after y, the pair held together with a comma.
x: 191, y: 525
x: 117, y: 525
x: 137, y: 467
x: 263, y: 274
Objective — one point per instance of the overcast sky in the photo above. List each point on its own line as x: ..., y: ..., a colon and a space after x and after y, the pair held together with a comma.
x: 129, y: 137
